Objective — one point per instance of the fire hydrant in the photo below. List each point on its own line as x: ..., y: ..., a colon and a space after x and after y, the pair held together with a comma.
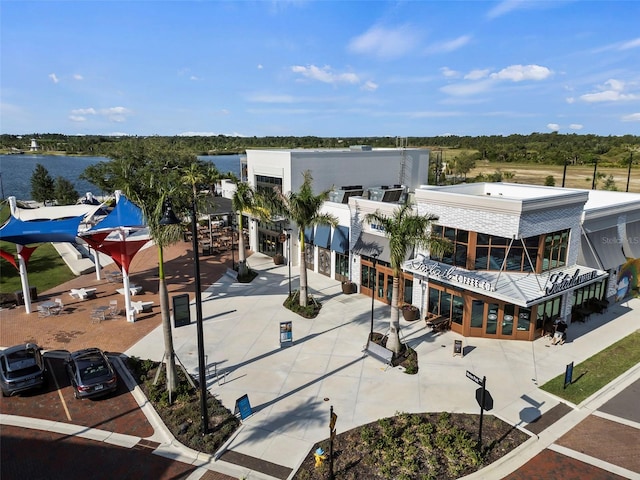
x: 320, y: 457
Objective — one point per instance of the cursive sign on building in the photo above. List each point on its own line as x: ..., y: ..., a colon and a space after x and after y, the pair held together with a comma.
x: 452, y: 274
x: 563, y: 281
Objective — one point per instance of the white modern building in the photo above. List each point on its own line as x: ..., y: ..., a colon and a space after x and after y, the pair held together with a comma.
x: 522, y: 256
x: 385, y: 174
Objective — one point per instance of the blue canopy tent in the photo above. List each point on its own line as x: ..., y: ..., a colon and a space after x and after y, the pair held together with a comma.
x: 23, y: 233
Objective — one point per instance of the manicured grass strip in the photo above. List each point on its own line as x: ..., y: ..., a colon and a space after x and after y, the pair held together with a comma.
x: 597, y: 371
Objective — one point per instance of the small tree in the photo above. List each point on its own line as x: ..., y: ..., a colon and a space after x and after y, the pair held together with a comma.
x: 246, y: 200
x: 550, y: 181
x: 65, y: 192
x: 303, y: 207
x: 42, y: 186
x: 405, y: 230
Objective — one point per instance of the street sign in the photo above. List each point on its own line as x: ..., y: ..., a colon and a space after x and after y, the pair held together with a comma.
x: 475, y: 378
x: 332, y: 422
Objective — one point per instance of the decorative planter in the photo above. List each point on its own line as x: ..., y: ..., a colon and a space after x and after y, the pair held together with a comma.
x: 410, y: 313
x: 278, y: 259
x: 348, y: 288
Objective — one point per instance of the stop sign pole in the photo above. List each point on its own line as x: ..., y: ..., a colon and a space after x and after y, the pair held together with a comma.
x: 484, y: 391
x: 483, y: 383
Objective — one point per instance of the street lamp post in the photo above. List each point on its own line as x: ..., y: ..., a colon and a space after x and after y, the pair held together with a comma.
x: 289, y: 257
x: 202, y: 380
x: 373, y: 289
x: 169, y: 218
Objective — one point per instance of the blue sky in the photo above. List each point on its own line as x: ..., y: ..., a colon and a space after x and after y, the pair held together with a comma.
x: 324, y: 68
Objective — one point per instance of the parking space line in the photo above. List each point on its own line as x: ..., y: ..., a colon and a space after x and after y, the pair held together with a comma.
x: 64, y: 404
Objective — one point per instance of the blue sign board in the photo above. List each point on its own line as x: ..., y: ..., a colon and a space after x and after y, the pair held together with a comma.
x: 243, y: 407
x: 286, y: 333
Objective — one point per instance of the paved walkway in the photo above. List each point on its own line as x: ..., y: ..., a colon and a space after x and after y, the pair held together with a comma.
x: 292, y: 388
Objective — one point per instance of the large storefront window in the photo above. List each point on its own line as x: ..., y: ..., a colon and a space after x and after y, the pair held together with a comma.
x: 459, y: 239
x: 383, y: 276
x: 407, y: 293
x: 548, y: 311
x: 491, y: 252
x: 342, y: 267
x: 524, y: 319
x: 491, y: 326
x: 268, y: 234
x: 556, y: 246
x: 267, y: 184
x: 309, y: 256
x: 477, y: 313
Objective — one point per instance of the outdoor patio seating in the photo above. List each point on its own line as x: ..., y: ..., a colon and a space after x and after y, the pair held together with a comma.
x: 82, y: 293
x: 133, y: 290
x: 141, y: 306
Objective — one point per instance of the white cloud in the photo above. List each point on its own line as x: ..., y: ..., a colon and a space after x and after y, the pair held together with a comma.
x: 503, y: 8
x: 194, y: 78
x: 576, y: 126
x: 635, y: 43
x: 77, y: 76
x: 385, y: 42
x: 477, y: 74
x: 325, y: 74
x: 114, y: 114
x: 54, y: 78
x: 449, y: 46
x: 553, y: 126
x: 447, y: 72
x: 84, y: 111
x: 259, y: 67
x: 370, y: 86
x: 634, y: 117
x: 269, y: 98
x: 462, y: 89
x: 570, y: 100
x: 611, y: 91
x: 518, y: 73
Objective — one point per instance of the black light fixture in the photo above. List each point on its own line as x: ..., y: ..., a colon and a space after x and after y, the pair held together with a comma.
x: 168, y: 215
x: 169, y: 218
x: 373, y: 290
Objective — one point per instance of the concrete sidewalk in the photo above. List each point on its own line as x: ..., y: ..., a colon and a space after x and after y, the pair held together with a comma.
x: 292, y: 388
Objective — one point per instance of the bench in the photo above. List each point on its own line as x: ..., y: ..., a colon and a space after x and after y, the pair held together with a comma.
x: 439, y: 323
x: 141, y: 306
x: 379, y: 352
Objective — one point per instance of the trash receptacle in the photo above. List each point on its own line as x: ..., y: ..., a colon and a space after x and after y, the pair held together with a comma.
x: 33, y: 293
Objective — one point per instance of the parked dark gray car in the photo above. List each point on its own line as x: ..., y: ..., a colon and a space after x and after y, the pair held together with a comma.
x: 91, y: 373
x: 21, y: 368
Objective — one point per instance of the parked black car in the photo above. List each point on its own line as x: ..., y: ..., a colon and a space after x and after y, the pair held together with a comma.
x: 21, y: 368
x: 91, y: 373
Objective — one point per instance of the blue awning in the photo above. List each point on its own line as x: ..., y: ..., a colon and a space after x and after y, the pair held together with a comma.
x: 340, y: 240
x: 323, y: 236
x: 308, y: 235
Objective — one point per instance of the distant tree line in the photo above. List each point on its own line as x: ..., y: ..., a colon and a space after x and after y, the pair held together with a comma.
x: 544, y: 148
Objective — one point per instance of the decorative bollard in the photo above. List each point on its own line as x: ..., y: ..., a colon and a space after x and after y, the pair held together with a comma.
x: 320, y: 457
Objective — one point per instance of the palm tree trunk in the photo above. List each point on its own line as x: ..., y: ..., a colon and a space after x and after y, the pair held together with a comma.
x: 303, y: 271
x: 393, y: 341
x: 242, y: 256
x: 169, y: 354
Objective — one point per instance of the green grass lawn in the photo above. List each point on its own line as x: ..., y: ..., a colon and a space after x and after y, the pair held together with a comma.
x: 597, y: 371
x: 45, y: 268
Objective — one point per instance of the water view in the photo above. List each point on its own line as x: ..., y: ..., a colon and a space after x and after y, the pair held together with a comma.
x: 16, y: 171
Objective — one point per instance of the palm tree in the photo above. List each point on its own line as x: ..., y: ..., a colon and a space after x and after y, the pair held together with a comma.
x: 145, y: 176
x: 405, y: 230
x: 303, y: 208
x: 246, y: 200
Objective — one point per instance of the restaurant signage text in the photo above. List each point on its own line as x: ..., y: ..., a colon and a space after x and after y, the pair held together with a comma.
x: 563, y: 281
x: 453, y: 274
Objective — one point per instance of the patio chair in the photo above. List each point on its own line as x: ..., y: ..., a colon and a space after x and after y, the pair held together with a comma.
x: 114, y: 311
x: 43, y: 312
x: 60, y: 307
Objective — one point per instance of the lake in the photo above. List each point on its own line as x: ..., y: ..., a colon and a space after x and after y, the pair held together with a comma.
x: 16, y: 171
